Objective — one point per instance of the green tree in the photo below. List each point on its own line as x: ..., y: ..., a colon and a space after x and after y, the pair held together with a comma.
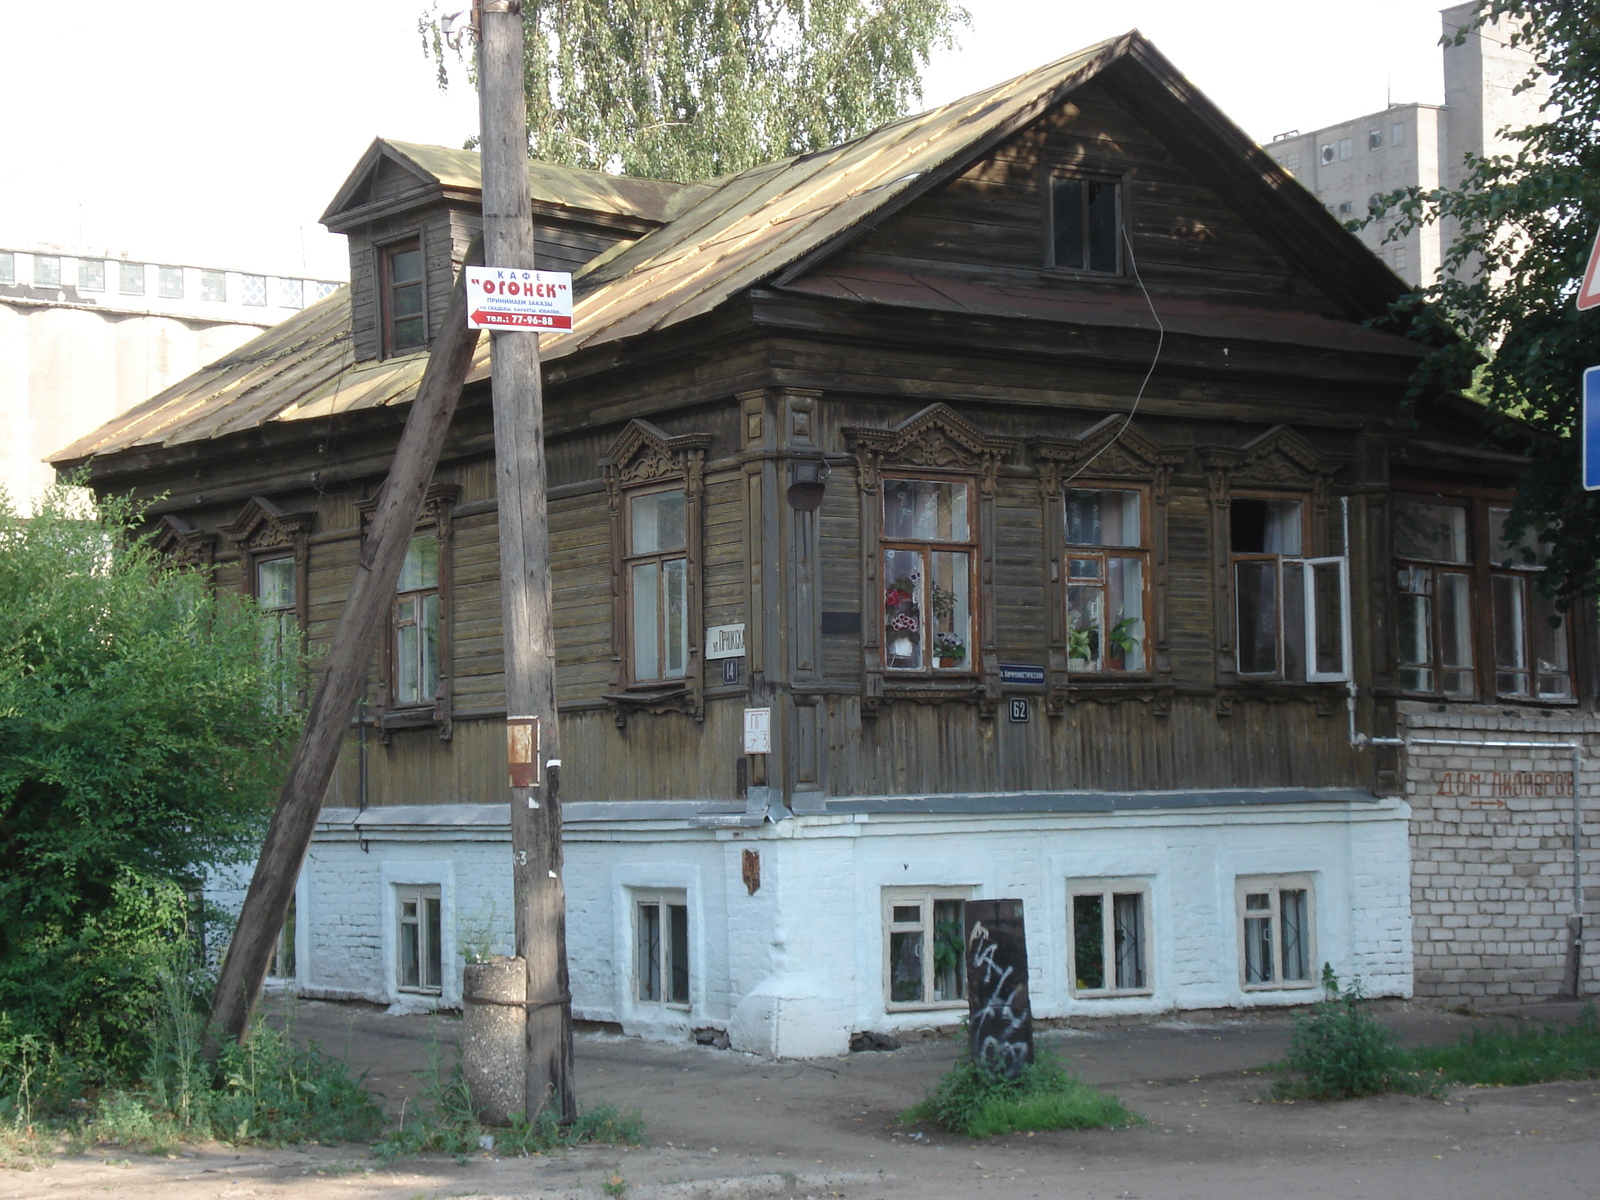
x: 1502, y: 324
x: 693, y: 89
x: 139, y: 742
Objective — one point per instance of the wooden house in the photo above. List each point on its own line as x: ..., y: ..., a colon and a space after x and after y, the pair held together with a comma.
x: 1033, y: 461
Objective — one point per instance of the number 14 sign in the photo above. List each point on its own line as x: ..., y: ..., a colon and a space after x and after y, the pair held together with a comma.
x: 505, y: 298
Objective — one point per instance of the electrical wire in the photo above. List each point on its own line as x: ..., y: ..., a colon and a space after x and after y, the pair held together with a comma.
x: 1161, y: 337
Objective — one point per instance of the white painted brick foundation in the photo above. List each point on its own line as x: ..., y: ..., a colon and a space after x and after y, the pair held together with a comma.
x: 794, y: 968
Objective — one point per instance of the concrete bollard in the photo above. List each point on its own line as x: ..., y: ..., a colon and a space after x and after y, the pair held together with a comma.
x: 492, y: 1053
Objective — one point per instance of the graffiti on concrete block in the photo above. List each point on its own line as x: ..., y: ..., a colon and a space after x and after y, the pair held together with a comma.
x: 999, y: 1019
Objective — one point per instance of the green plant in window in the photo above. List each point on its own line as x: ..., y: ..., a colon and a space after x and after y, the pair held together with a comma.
x: 949, y: 939
x: 1123, y: 635
x: 1083, y: 643
x: 943, y: 602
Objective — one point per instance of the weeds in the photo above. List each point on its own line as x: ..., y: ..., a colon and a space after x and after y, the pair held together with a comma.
x: 971, y: 1099
x: 1340, y: 1051
x: 1512, y: 1057
x: 444, y: 1123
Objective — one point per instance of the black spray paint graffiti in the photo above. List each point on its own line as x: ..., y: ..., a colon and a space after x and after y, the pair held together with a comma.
x: 999, y: 1019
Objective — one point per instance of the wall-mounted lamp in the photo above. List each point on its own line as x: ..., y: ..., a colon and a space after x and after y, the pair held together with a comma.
x: 808, y: 478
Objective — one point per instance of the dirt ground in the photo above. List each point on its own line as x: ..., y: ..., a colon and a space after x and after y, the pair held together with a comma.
x: 724, y: 1126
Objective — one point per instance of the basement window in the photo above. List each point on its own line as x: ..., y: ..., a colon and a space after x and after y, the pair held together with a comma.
x: 421, y: 962
x: 1086, y: 224
x: 661, y: 948
x: 1110, y: 938
x: 924, y: 932
x: 1277, y: 924
x: 282, y: 965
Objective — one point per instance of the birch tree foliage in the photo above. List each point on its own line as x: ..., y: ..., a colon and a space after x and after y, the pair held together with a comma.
x: 1523, y: 225
x: 693, y: 89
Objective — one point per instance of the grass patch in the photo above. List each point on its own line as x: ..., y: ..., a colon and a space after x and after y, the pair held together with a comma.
x: 973, y: 1100
x: 444, y: 1123
x: 1513, y: 1057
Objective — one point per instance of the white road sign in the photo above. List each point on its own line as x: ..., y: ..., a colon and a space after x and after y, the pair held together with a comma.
x: 506, y: 298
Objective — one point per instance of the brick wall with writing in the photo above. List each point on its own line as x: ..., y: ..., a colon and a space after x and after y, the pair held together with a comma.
x: 1491, y: 848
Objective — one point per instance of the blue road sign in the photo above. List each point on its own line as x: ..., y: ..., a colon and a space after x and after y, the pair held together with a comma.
x: 1591, y: 430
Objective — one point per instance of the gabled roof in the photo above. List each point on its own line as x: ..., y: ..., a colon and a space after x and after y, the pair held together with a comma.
x: 459, y: 173
x: 768, y: 225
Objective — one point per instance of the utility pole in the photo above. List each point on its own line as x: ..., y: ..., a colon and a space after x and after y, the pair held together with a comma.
x: 532, y: 744
x: 354, y: 641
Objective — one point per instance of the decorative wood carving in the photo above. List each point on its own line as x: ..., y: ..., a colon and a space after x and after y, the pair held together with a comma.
x: 438, y: 515
x: 183, y: 546
x: 939, y: 441
x: 645, y: 455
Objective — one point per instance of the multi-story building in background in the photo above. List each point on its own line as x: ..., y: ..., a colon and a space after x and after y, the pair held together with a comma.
x: 1349, y: 166
x: 87, y: 333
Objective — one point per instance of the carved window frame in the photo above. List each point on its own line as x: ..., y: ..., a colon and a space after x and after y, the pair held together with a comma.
x: 1279, y: 464
x: 646, y: 459
x: 264, y: 531
x: 437, y: 517
x: 937, y: 443
x: 1111, y: 455
x: 184, y: 547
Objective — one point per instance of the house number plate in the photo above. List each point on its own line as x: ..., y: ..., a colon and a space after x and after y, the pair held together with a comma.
x: 1019, y: 708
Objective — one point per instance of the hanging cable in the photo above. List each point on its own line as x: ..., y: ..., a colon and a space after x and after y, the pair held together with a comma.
x: 1161, y: 337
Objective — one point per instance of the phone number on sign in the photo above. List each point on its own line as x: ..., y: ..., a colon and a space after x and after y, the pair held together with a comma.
x: 524, y: 320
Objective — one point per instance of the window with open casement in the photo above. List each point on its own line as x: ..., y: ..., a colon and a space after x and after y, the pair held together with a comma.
x: 924, y: 934
x: 929, y: 559
x: 1291, y: 611
x: 1277, y: 932
x: 1108, y: 579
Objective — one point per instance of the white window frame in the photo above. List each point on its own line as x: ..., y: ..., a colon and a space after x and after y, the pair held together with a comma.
x: 1106, y: 889
x: 663, y: 899
x: 421, y: 893
x: 1274, y: 886
x: 924, y: 896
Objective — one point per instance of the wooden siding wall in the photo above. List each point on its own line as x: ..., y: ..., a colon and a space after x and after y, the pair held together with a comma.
x: 990, y: 223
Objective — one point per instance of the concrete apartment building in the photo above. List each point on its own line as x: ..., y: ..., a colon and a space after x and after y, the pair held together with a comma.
x: 1349, y: 165
x: 87, y: 333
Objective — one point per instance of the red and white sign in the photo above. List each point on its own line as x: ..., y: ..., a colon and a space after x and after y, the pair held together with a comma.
x: 1589, y: 289
x: 506, y: 298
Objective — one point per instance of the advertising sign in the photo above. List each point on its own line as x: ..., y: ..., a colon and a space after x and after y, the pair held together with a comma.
x: 505, y: 298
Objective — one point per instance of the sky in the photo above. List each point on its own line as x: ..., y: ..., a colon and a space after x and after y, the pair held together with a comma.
x: 215, y: 134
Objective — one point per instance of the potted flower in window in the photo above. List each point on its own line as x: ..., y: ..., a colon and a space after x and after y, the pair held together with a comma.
x: 900, y: 618
x: 949, y: 650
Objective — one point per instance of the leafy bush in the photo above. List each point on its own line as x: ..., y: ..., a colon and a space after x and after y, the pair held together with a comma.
x: 1340, y: 1051
x: 1513, y: 1057
x: 137, y: 744
x: 973, y: 1100
x: 444, y: 1123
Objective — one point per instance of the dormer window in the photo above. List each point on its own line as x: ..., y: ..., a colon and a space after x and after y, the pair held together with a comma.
x: 1086, y: 224
x: 405, y: 322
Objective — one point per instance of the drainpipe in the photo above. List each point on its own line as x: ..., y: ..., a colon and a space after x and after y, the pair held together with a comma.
x: 1575, y: 751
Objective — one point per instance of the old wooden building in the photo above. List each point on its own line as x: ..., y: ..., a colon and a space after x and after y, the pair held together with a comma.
x: 1031, y: 459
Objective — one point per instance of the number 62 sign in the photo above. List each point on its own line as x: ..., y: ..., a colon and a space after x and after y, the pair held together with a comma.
x: 506, y: 298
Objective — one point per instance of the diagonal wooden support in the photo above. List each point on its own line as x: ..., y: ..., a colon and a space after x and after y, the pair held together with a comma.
x: 360, y: 627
